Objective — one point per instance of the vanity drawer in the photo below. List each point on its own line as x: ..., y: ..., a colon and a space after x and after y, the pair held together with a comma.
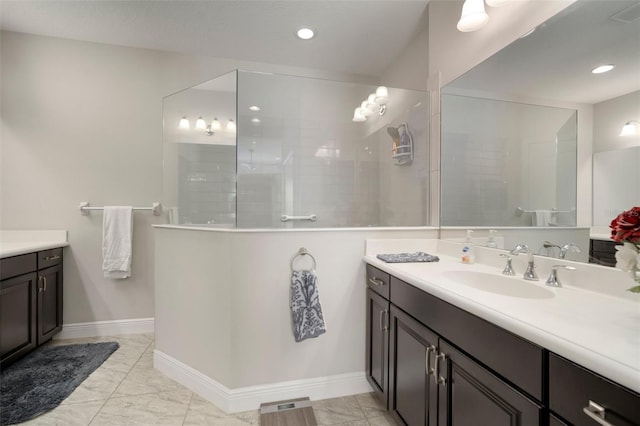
x: 515, y: 359
x: 378, y: 281
x: 571, y: 387
x: 17, y: 265
x: 48, y: 258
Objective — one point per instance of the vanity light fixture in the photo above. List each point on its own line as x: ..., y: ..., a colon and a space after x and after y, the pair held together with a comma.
x: 473, y: 16
x: 231, y: 125
x: 200, y: 124
x: 630, y: 128
x: 375, y: 102
x: 215, y: 124
x: 184, y: 123
x: 603, y: 68
x: 305, y: 33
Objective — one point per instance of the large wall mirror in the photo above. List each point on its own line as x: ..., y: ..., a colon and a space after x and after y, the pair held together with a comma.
x: 512, y: 125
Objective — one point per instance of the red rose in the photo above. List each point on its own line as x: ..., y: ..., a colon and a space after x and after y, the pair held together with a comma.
x: 626, y: 227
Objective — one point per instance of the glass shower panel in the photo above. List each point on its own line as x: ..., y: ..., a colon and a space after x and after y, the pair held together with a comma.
x: 303, y: 162
x: 199, y: 139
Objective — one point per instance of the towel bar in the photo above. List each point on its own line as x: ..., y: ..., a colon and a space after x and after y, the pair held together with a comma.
x: 85, y: 208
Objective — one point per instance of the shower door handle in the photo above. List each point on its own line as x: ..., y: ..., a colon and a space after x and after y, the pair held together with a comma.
x: 286, y: 218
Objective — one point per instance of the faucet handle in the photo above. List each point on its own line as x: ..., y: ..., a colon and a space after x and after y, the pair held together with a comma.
x: 553, y: 279
x: 508, y: 269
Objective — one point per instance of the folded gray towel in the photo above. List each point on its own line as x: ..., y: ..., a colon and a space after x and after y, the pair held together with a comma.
x: 419, y: 256
x: 306, y: 311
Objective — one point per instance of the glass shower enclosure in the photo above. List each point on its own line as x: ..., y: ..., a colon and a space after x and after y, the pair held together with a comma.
x: 260, y: 150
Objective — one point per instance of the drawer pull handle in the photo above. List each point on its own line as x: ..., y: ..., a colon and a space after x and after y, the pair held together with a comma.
x: 430, y: 349
x: 437, y: 378
x: 376, y: 281
x: 44, y: 287
x: 54, y: 257
x: 383, y: 323
x: 597, y: 413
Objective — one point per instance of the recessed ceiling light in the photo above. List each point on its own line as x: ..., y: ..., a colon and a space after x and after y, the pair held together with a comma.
x: 305, y: 33
x: 254, y: 108
x: 255, y: 120
x: 602, y: 68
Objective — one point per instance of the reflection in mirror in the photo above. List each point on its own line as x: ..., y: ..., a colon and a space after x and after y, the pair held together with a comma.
x: 507, y: 163
x: 547, y: 70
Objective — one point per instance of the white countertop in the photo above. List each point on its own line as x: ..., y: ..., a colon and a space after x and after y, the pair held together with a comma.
x: 13, y: 243
x: 598, y: 331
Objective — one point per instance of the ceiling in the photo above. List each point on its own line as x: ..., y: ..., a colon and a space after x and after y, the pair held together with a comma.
x: 353, y: 36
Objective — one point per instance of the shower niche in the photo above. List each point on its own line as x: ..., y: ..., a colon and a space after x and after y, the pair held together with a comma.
x: 259, y: 150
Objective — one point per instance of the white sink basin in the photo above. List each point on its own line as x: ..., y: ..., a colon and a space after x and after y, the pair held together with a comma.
x: 500, y: 284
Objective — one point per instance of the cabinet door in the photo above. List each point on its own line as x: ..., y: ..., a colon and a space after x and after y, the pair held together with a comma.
x: 49, y: 303
x: 17, y: 316
x: 412, y: 391
x: 377, y: 362
x: 470, y: 395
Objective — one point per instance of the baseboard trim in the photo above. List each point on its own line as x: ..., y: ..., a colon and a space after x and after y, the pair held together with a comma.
x: 106, y: 328
x: 250, y: 398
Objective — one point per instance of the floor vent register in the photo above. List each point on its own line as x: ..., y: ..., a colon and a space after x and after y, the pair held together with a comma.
x: 294, y: 412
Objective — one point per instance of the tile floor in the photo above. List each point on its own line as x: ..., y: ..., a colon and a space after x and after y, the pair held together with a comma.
x: 127, y: 390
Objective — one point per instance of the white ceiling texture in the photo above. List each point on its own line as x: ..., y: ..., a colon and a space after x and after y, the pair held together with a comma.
x: 356, y: 36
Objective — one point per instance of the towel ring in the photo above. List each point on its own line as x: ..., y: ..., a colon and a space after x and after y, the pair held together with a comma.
x: 303, y: 252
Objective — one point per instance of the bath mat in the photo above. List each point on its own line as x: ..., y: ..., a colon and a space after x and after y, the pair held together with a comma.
x: 42, y: 379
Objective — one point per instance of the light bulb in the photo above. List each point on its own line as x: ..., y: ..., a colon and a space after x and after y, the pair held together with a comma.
x: 382, y: 95
x: 215, y: 124
x: 184, y: 123
x: 231, y: 125
x: 200, y: 124
x: 358, y: 116
x: 364, y: 110
x: 630, y: 128
x: 473, y: 16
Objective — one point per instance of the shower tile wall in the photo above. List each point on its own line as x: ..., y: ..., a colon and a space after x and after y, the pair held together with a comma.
x: 207, y: 188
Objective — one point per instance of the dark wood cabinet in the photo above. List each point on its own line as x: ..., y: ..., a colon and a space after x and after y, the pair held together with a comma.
x: 377, y: 337
x: 30, y: 302
x: 447, y: 367
x: 49, y: 303
x: 470, y: 394
x: 412, y: 390
x: 18, y: 301
x: 603, y: 252
x: 574, y: 389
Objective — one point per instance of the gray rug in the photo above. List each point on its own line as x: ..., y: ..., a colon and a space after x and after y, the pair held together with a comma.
x: 41, y: 380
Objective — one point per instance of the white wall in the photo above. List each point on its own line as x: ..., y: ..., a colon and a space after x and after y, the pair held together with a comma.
x: 83, y: 122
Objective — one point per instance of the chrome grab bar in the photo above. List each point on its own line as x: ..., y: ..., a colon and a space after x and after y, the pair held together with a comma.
x: 286, y: 218
x: 596, y: 412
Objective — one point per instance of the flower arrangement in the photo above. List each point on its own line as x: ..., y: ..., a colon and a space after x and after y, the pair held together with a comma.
x: 625, y: 229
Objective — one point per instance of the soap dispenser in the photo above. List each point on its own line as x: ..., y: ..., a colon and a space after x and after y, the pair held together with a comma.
x: 491, y: 241
x: 468, y: 251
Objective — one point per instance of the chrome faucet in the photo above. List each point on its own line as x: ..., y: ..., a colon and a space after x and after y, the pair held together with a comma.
x: 553, y: 279
x: 530, y: 273
x: 508, y: 269
x: 571, y: 247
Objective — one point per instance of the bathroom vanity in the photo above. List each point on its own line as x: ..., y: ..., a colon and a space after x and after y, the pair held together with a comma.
x: 31, y: 282
x: 436, y: 347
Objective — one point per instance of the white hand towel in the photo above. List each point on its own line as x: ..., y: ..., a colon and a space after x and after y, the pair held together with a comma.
x: 117, y: 233
x: 541, y: 217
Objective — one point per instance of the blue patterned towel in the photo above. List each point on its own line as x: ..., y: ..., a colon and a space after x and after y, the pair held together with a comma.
x: 419, y: 256
x: 306, y: 311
